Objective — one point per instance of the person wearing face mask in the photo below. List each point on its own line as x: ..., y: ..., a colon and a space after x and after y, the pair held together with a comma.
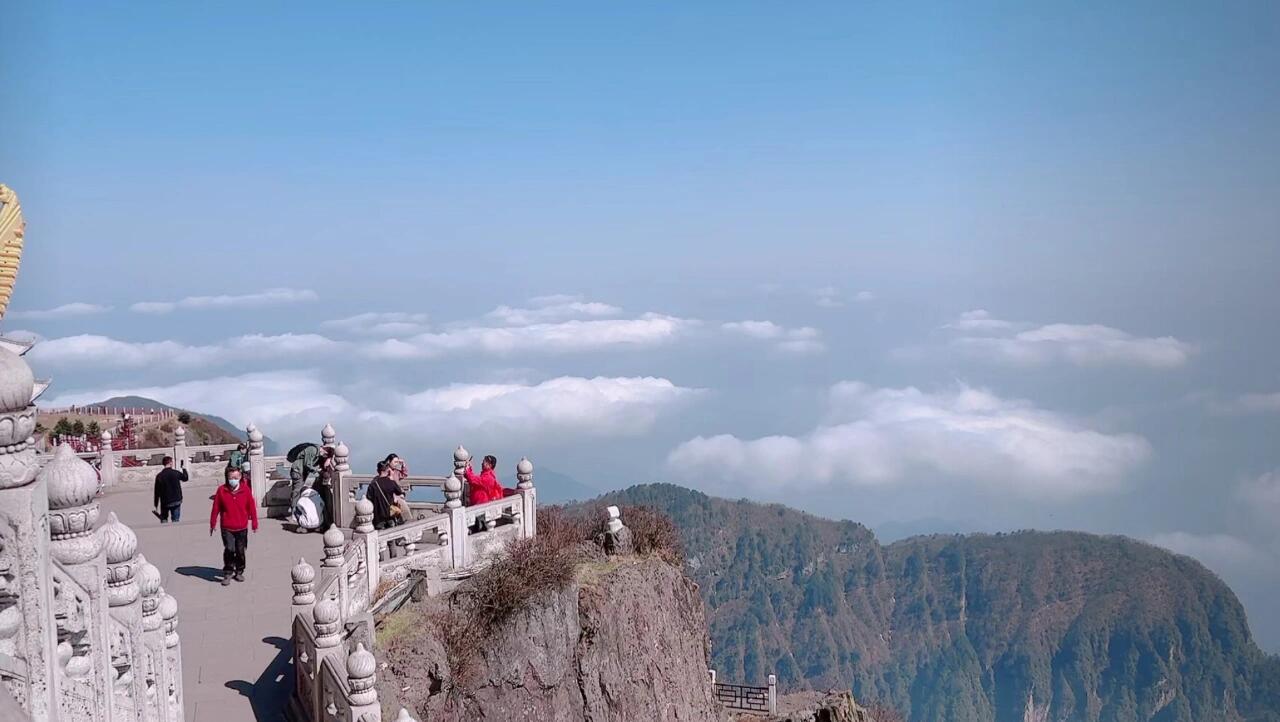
x: 233, y: 509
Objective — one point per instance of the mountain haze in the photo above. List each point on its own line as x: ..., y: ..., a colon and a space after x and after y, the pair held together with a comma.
x: 1029, y: 626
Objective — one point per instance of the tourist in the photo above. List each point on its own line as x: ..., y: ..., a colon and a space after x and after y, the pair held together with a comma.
x: 485, y: 486
x: 246, y: 477
x: 308, y: 459
x: 168, y: 493
x: 238, y: 457
x: 233, y: 509
x: 324, y: 486
x: 396, y: 468
x: 387, y: 498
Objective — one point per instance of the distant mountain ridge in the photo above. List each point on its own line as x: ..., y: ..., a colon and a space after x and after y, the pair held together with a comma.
x: 1023, y: 627
x: 141, y: 402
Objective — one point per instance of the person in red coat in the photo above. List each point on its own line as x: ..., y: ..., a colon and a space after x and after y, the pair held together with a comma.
x: 235, y: 510
x: 485, y: 486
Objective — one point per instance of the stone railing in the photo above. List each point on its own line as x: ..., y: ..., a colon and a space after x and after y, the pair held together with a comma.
x: 86, y: 631
x: 332, y: 608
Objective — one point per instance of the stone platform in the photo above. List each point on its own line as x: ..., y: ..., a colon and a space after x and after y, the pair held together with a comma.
x: 236, y: 655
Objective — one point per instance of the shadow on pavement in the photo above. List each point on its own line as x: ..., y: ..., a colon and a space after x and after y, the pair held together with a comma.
x: 268, y: 695
x: 209, y: 574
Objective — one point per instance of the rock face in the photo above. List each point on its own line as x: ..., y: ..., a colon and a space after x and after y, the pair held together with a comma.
x: 626, y: 640
x: 831, y: 708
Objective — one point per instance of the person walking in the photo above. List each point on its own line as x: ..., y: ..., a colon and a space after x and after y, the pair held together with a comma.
x: 233, y: 509
x: 238, y: 457
x: 168, y: 492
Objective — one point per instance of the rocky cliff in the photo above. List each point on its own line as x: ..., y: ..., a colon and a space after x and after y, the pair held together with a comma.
x: 626, y: 639
x: 1025, y: 627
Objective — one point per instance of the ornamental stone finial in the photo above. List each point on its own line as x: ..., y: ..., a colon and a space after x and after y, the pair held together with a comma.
x: 121, y: 546
x: 403, y: 716
x: 361, y: 667
x: 302, y: 575
x: 325, y: 615
x: 180, y: 434
x: 17, y: 382
x: 524, y: 474
x: 364, y: 516
x: 72, y: 487
x: 327, y: 434
x: 169, y: 615
x: 149, y: 586
x: 334, y: 540
x: 453, y: 485
x: 341, y: 457
x: 106, y: 439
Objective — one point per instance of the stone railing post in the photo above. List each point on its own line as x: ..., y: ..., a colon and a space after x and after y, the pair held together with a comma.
x: 303, y: 576
x: 85, y: 670
x: 773, y: 694
x: 153, y: 641
x: 181, y: 456
x: 257, y: 465
x: 528, y: 498
x: 361, y: 684
x: 404, y: 716
x: 108, y: 462
x: 328, y: 437
x: 342, y: 511
x: 365, y: 534
x: 326, y: 620
x: 334, y: 543
x: 26, y: 628
x: 172, y: 655
x: 124, y: 599
x: 457, y: 515
x: 712, y: 672
x: 617, y: 537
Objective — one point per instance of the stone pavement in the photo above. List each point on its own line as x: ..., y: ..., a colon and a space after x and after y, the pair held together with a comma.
x: 236, y: 653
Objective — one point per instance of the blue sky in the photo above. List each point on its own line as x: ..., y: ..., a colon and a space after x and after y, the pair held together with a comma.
x: 927, y: 267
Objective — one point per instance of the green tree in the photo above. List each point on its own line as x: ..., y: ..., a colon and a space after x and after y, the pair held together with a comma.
x: 184, y: 418
x: 63, y: 427
x: 93, y: 429
x: 78, y: 428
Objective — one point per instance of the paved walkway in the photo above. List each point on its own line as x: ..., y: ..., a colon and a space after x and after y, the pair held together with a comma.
x: 236, y: 654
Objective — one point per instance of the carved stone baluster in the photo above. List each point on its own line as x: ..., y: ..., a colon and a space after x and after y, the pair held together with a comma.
x: 361, y: 682
x: 528, y: 498
x: 123, y: 593
x: 457, y: 515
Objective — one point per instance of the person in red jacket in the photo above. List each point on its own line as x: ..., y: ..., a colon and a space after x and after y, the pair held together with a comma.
x: 485, y: 486
x: 234, y: 508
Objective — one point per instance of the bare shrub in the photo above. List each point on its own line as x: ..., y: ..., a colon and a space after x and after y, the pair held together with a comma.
x: 653, y: 532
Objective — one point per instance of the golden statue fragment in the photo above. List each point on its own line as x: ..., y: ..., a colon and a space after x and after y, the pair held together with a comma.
x: 11, y: 229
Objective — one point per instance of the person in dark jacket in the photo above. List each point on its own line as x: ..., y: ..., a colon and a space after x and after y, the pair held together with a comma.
x: 384, y: 493
x: 168, y: 496
x: 234, y: 508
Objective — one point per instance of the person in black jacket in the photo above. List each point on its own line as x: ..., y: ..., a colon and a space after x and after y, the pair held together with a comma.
x: 168, y: 496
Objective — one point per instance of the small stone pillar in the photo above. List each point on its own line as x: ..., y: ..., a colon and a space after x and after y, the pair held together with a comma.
x: 361, y: 683
x: 528, y: 498
x: 108, y: 461
x: 773, y: 694
x: 342, y: 506
x: 328, y: 436
x: 155, y: 672
x: 303, y: 576
x: 123, y: 596
x: 712, y: 672
x: 257, y: 465
x: 365, y: 534
x: 181, y: 456
x: 334, y: 542
x: 457, y: 514
x: 617, y: 537
x: 172, y: 654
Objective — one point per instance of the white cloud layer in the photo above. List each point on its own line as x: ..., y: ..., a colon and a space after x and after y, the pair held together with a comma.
x: 288, y: 404
x: 650, y: 330
x: 545, y: 309
x: 269, y: 297
x: 67, y: 310
x: 803, y: 340
x: 992, y: 339
x: 882, y: 436
x: 104, y: 352
x: 381, y: 324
